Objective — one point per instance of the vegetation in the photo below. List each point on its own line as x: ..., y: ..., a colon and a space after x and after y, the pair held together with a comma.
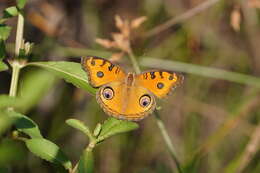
x: 210, y: 124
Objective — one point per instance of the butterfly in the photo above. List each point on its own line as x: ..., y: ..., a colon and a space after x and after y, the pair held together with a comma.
x: 124, y: 95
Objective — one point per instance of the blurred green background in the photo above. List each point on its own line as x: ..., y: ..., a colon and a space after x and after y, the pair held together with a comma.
x: 213, y: 118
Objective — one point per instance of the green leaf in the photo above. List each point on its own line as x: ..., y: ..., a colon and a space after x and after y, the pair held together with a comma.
x: 3, y: 66
x: 21, y: 3
x: 33, y: 86
x: 10, y: 152
x: 70, y: 71
x: 192, y: 165
x: 233, y: 165
x: 10, y: 12
x: 49, y: 151
x: 97, y: 129
x: 25, y: 124
x: 5, y: 122
x: 114, y: 126
x: 86, y: 163
x: 4, y: 33
x: 79, y: 125
x: 7, y: 101
x: 2, y: 49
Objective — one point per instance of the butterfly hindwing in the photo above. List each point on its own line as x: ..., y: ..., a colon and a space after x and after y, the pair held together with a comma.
x: 101, y: 71
x: 126, y: 102
x: 160, y: 83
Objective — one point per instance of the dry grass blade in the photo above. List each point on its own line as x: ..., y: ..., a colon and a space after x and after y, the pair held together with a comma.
x: 190, y: 13
x: 228, y: 125
x: 251, y: 148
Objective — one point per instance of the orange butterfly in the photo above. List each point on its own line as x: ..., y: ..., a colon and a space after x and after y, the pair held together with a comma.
x: 127, y: 95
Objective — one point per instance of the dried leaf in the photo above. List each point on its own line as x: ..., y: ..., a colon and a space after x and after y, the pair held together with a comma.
x: 106, y: 43
x: 254, y: 3
x: 138, y: 21
x: 235, y: 19
x: 42, y: 23
x: 116, y: 56
x: 121, y: 42
x: 119, y: 22
x: 126, y: 29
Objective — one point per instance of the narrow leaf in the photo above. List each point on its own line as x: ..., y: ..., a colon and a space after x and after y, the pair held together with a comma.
x: 10, y: 12
x: 192, y: 165
x: 10, y: 152
x: 97, y: 129
x: 49, y: 151
x: 5, y: 122
x: 3, y: 66
x: 2, y: 48
x: 70, y: 71
x: 86, y: 163
x: 79, y: 125
x: 21, y: 3
x: 35, y: 84
x: 114, y: 126
x: 7, y: 101
x: 4, y: 33
x: 25, y: 124
x: 233, y: 165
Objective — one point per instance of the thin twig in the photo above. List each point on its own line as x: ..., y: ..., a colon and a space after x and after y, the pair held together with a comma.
x: 167, y: 140
x: 74, y: 170
x: 159, y: 122
x: 89, y: 148
x: 134, y: 62
x: 190, y: 13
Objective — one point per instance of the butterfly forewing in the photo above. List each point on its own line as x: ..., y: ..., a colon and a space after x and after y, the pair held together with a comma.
x: 101, y: 71
x: 160, y: 83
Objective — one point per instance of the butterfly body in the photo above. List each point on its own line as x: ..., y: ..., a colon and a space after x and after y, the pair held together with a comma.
x: 127, y: 95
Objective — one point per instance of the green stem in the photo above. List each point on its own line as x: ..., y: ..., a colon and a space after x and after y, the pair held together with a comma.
x: 15, y: 75
x: 16, y: 65
x: 74, y: 170
x: 89, y: 148
x: 19, y: 34
x: 167, y: 140
x: 90, y: 136
x: 160, y: 123
x: 134, y: 62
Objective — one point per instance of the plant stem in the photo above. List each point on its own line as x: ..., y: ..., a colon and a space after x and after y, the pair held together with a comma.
x: 134, y: 62
x: 74, y: 170
x: 167, y: 140
x: 160, y: 123
x: 15, y: 75
x: 16, y: 65
x: 19, y: 34
x: 89, y: 148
